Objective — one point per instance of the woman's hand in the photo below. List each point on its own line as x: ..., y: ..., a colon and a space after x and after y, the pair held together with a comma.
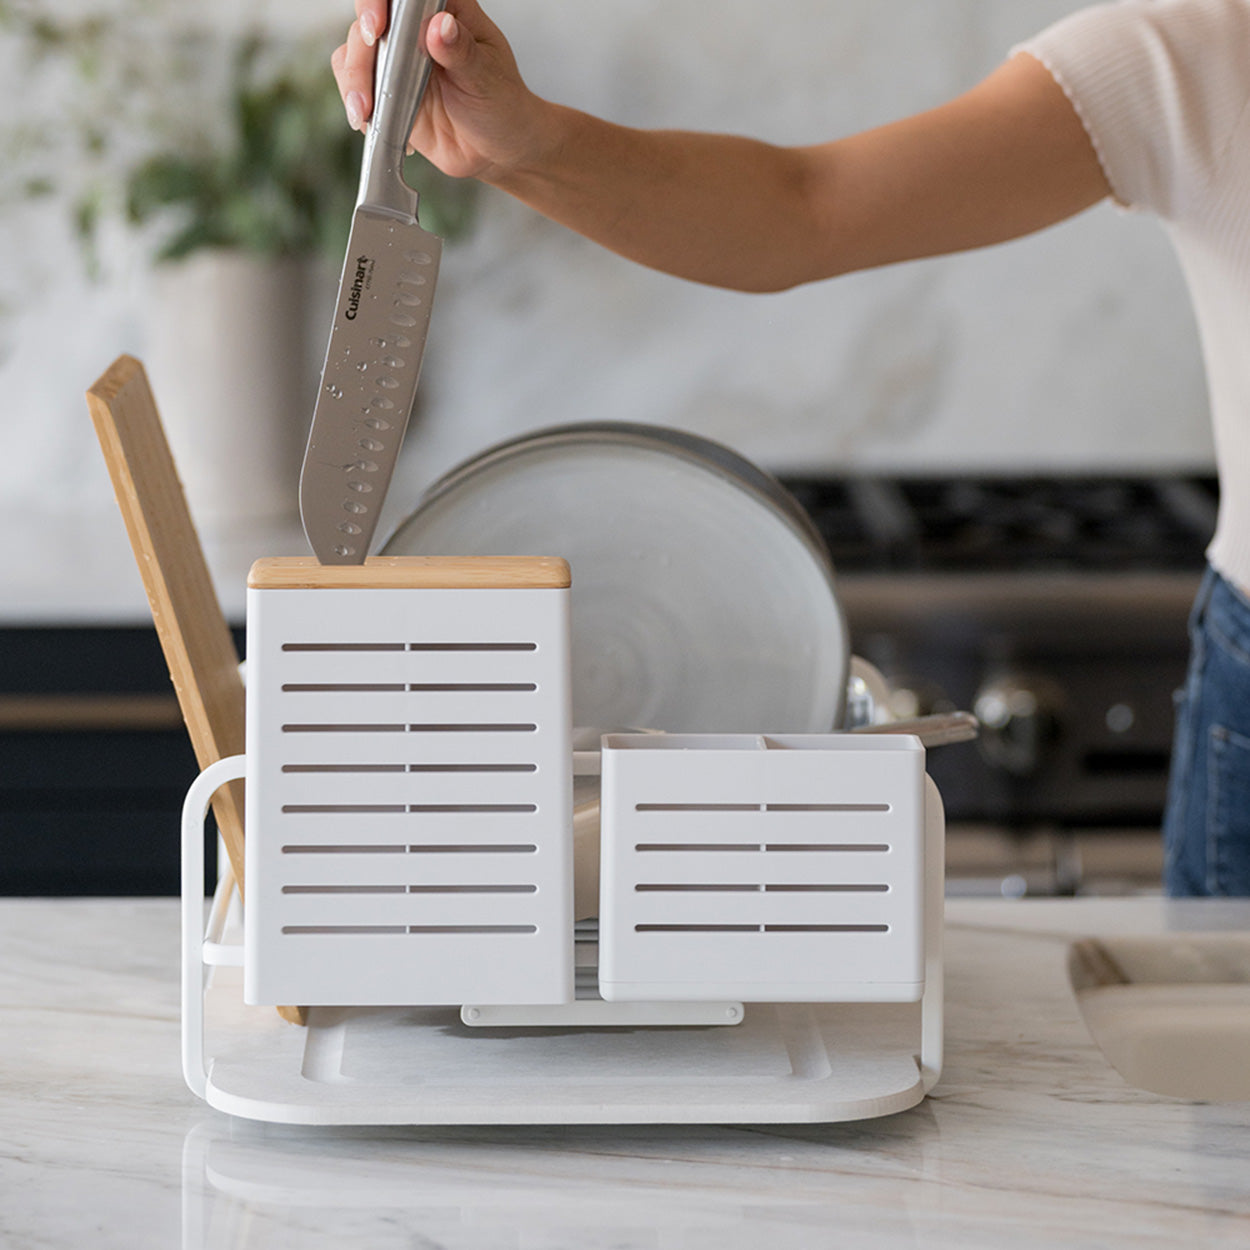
x: 478, y: 118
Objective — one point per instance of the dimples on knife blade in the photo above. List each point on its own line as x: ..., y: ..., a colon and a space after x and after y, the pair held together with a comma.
x: 373, y: 361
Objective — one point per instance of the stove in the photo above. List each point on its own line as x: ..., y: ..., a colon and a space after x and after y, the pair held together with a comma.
x: 1055, y: 608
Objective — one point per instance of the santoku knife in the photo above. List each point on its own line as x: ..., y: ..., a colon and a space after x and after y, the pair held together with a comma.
x: 369, y: 380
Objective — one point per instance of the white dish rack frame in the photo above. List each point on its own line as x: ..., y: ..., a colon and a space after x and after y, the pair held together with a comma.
x: 768, y: 945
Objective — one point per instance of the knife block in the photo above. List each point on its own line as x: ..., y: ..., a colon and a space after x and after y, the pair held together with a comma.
x: 408, y: 797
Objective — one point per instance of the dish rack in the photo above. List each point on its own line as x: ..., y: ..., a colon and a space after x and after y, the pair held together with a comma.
x: 768, y: 943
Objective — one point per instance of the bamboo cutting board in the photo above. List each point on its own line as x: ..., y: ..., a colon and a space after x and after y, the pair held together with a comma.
x: 193, y: 631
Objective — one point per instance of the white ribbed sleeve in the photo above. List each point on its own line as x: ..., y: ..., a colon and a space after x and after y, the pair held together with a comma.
x: 1162, y: 88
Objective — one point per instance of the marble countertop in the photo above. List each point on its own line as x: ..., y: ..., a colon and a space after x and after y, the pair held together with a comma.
x: 1029, y: 1140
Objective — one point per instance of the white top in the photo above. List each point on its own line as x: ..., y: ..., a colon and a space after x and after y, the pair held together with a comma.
x: 1162, y: 87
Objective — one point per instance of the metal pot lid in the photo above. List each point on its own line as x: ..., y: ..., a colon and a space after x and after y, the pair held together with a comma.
x: 703, y: 597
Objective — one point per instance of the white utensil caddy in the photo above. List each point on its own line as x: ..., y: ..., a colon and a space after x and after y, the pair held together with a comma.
x: 409, y: 881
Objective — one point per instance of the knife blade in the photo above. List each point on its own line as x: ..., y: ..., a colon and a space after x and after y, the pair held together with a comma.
x: 373, y: 360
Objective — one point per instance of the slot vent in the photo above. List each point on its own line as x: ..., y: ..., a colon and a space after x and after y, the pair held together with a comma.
x: 383, y: 809
x: 294, y: 849
x: 496, y: 848
x: 355, y: 687
x: 474, y: 687
x: 342, y: 646
x: 344, y: 889
x: 472, y: 768
x: 399, y: 687
x: 859, y: 808
x: 341, y: 930
x: 390, y: 728
x: 500, y: 647
x: 409, y: 889
x: 821, y: 848
x: 343, y: 809
x: 713, y: 848
x: 408, y: 768
x: 761, y: 928
x: 499, y: 809
x: 343, y: 768
x: 362, y: 647
x: 647, y: 887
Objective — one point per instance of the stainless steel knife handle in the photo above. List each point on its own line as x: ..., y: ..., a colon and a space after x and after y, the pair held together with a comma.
x: 401, y: 73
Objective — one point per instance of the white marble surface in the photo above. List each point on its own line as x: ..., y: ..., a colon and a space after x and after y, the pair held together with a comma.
x: 1030, y: 1140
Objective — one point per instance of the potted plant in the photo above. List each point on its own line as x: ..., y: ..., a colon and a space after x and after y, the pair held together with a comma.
x: 230, y: 155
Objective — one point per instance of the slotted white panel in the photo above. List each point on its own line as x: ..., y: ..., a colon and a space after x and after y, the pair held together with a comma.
x: 408, y: 797
x: 762, y: 868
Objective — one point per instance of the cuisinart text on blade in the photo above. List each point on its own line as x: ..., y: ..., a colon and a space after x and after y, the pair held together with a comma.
x: 369, y: 380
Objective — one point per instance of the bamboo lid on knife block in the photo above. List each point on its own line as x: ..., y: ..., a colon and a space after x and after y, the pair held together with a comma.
x: 412, y: 573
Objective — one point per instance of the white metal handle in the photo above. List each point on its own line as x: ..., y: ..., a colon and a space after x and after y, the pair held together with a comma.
x: 933, y: 1002
x: 194, y: 810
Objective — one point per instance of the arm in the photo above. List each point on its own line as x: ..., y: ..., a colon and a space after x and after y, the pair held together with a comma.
x: 1007, y: 158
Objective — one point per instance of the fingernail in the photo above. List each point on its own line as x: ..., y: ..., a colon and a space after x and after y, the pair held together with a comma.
x: 450, y: 30
x: 369, y: 29
x: 355, y: 103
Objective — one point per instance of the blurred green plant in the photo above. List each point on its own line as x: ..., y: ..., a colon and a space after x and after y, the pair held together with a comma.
x: 203, y: 139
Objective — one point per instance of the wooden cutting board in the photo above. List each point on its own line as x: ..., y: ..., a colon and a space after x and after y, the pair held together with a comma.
x: 192, y: 628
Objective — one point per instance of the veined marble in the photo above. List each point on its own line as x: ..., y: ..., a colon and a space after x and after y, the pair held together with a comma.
x: 1030, y: 1140
x: 1074, y: 350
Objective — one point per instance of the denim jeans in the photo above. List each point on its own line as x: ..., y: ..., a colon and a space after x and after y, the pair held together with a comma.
x: 1206, y: 831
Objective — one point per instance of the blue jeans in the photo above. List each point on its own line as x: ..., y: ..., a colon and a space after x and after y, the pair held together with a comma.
x: 1206, y: 831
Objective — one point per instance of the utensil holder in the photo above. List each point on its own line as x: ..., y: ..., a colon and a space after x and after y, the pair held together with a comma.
x: 408, y: 805
x: 763, y: 868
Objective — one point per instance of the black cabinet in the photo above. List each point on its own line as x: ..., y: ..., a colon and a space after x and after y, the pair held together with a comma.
x: 94, y: 764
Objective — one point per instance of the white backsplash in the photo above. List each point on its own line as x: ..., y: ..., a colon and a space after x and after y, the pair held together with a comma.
x: 1073, y: 350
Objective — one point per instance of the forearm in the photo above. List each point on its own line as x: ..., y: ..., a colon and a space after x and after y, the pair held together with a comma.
x: 1006, y: 158
x: 717, y: 209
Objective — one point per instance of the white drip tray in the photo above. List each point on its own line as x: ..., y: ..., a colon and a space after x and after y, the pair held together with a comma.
x: 404, y: 1065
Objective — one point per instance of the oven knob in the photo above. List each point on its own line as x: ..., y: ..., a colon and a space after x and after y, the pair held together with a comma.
x: 1020, y: 718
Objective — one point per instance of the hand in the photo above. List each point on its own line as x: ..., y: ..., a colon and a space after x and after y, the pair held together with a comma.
x: 478, y: 118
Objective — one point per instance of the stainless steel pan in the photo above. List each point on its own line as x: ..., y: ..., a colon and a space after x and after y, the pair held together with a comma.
x: 703, y: 596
